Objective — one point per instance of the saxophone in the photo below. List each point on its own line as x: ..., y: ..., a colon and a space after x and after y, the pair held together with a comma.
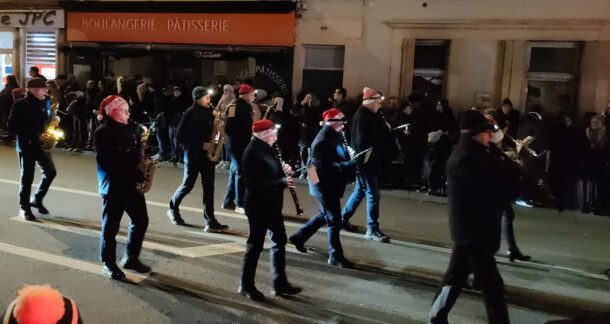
x: 52, y: 134
x: 218, y: 135
x: 146, y: 166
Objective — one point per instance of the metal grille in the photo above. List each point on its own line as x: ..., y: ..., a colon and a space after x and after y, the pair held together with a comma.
x: 40, y: 48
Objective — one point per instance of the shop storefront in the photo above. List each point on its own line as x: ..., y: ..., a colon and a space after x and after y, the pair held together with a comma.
x: 29, y: 38
x: 182, y: 43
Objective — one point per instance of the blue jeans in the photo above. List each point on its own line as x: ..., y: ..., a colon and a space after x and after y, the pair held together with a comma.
x: 372, y: 193
x: 329, y: 214
x: 235, y: 186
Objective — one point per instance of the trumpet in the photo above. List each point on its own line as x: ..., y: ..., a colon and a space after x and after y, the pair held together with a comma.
x: 524, y: 144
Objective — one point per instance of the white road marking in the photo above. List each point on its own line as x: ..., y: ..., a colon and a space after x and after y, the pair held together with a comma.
x: 343, y: 233
x: 59, y: 260
x: 189, y: 252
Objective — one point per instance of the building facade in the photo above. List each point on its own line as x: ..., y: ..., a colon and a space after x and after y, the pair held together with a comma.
x: 552, y: 53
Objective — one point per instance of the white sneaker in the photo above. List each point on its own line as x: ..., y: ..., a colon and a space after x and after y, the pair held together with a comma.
x: 240, y: 210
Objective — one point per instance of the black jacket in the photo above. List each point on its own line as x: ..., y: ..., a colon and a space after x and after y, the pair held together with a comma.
x: 309, y: 119
x: 368, y: 130
x: 332, y: 161
x: 238, y: 129
x: 195, y: 127
x: 28, y: 120
x: 265, y: 180
x: 479, y: 185
x: 118, y: 153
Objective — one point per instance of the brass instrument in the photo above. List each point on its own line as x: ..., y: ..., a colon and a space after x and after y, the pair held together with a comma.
x: 218, y: 135
x: 147, y: 166
x: 272, y: 106
x: 293, y: 192
x: 52, y: 134
x: 524, y: 144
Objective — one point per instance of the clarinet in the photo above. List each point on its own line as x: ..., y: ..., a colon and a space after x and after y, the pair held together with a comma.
x: 293, y: 191
x: 351, y: 153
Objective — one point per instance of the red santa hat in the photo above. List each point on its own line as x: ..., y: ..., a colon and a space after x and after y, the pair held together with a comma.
x: 331, y: 114
x: 109, y: 103
x: 245, y: 89
x: 370, y: 95
x: 263, y: 128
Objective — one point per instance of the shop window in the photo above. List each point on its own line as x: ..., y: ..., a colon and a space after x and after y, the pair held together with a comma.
x: 430, y: 69
x: 323, y: 70
x: 552, y: 75
x: 6, y: 56
x: 41, y: 51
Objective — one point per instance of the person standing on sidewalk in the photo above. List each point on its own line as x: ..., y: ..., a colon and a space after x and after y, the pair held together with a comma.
x: 238, y: 133
x: 332, y: 164
x: 368, y: 131
x: 479, y: 188
x: 265, y: 179
x: 28, y: 120
x: 117, y: 148
x: 195, y: 133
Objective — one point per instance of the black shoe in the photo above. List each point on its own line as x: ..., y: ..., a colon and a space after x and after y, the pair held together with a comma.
x: 135, y: 264
x: 215, y: 227
x: 27, y: 215
x: 251, y: 293
x: 298, y: 245
x: 38, y: 205
x: 229, y: 206
x: 517, y: 255
x: 423, y: 189
x: 286, y: 289
x: 349, y: 227
x: 174, y: 217
x: 112, y: 271
x: 340, y: 262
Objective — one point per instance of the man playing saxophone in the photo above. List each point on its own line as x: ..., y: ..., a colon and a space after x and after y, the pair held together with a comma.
x: 28, y: 120
x: 118, y: 153
x: 195, y: 133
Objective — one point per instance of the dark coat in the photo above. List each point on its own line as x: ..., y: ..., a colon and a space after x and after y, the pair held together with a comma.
x: 309, y: 118
x: 195, y: 127
x: 175, y: 108
x: 479, y: 185
x: 368, y: 130
x: 238, y: 129
x: 28, y: 120
x: 118, y: 153
x: 332, y: 161
x: 264, y: 178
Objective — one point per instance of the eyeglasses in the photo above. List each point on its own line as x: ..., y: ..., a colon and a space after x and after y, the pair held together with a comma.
x: 127, y: 111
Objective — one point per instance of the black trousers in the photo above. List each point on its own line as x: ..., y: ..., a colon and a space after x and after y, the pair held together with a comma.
x: 508, y: 216
x: 196, y: 162
x: 27, y: 160
x: 259, y: 224
x: 113, y: 206
x: 329, y: 214
x: 465, y: 261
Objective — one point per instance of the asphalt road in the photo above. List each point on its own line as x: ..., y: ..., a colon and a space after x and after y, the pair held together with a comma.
x: 195, y: 274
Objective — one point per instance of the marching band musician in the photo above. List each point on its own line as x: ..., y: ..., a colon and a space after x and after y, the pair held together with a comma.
x: 195, y: 132
x: 28, y: 120
x: 117, y: 148
x: 480, y: 182
x: 368, y: 131
x: 265, y: 179
x: 332, y: 163
x: 238, y: 134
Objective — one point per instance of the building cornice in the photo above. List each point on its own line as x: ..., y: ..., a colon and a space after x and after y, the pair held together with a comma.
x: 499, y: 24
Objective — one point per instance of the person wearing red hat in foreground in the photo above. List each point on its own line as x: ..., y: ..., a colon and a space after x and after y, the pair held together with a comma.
x: 333, y: 166
x: 117, y: 148
x: 41, y: 304
x: 265, y: 179
x: 238, y: 133
x: 368, y: 130
x: 28, y: 120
